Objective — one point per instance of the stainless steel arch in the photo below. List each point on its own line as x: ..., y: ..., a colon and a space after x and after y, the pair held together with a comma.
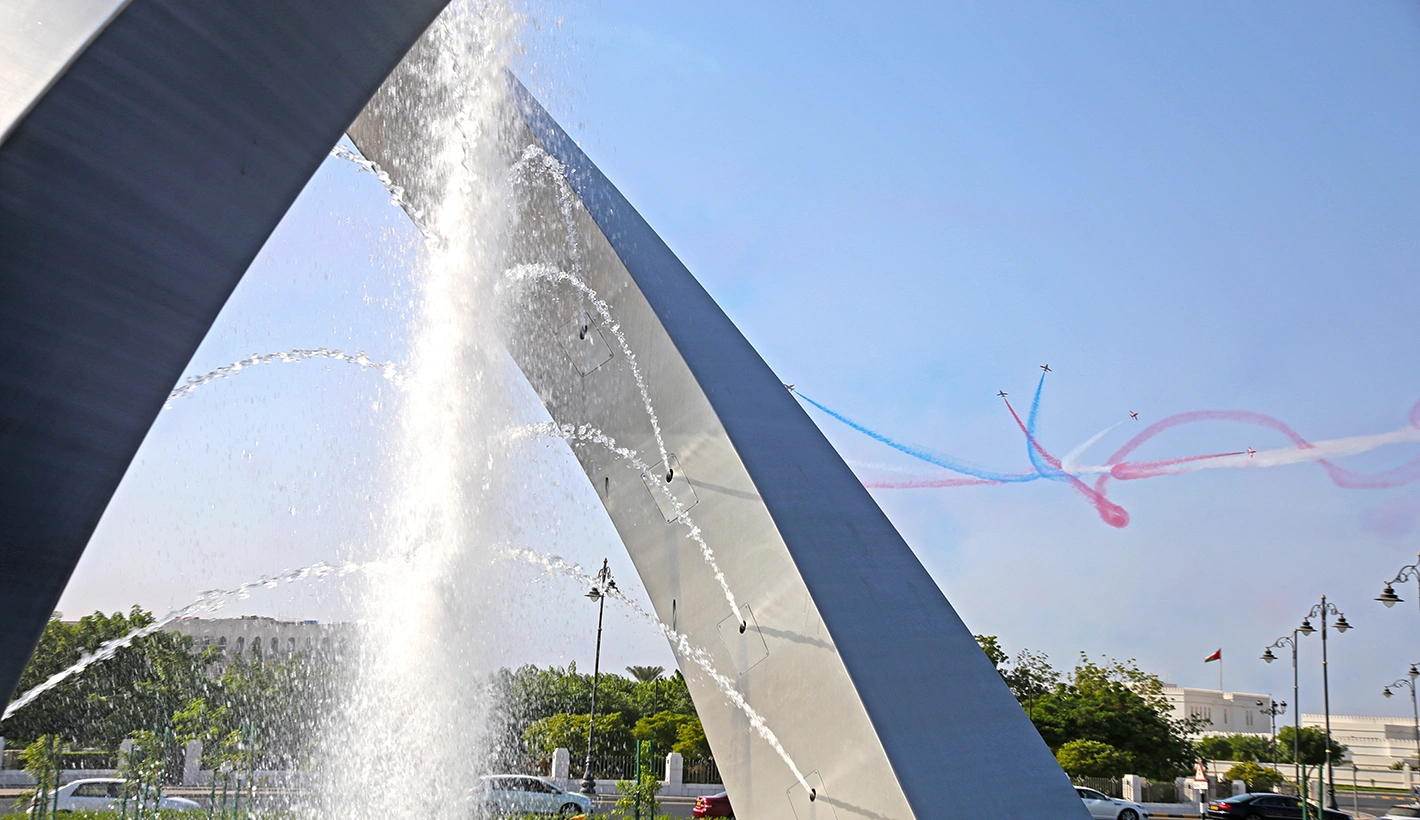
x: 142, y: 168
x: 850, y: 652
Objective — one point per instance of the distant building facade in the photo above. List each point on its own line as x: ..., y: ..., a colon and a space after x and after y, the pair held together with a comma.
x: 254, y: 636
x: 1223, y: 713
x: 1371, y: 742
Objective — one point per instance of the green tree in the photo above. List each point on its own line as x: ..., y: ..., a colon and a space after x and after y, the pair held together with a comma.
x: 1029, y: 675
x: 661, y: 728
x: 570, y: 732
x: 690, y: 741
x: 138, y: 687
x: 1215, y: 747
x: 1091, y: 758
x: 1313, y: 745
x: 1120, y: 705
x: 1254, y: 748
x: 645, y: 674
x: 1258, y: 778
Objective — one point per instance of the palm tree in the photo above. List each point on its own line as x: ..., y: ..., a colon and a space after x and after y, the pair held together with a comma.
x: 646, y: 674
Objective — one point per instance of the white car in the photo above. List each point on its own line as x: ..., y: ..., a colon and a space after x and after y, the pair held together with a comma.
x: 102, y: 794
x: 521, y: 794
x: 1103, y: 807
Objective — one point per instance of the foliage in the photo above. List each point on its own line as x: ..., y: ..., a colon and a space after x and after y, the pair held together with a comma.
x: 1120, y: 705
x: 1214, y: 747
x: 690, y: 742
x: 640, y: 792
x: 159, y: 683
x: 1258, y: 778
x: 570, y: 732
x: 1091, y: 758
x: 645, y: 674
x: 1238, y: 747
x: 1029, y: 676
x: 523, y: 696
x: 662, y: 728
x: 98, y: 707
x: 1312, y: 743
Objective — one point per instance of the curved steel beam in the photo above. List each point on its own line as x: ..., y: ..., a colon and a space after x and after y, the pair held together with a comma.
x: 860, y: 666
x: 149, y: 148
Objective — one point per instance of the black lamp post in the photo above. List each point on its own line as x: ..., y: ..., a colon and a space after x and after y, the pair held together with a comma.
x: 1407, y: 573
x: 1272, y: 711
x: 1409, y: 681
x: 601, y: 585
x: 1324, y: 609
x: 1296, y: 704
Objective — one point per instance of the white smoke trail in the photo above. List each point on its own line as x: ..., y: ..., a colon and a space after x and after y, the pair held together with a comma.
x: 1073, y: 457
x: 1282, y: 456
x: 208, y: 601
x: 386, y: 369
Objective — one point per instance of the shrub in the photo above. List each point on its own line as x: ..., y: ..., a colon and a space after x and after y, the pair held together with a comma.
x: 1091, y: 758
x: 1258, y: 778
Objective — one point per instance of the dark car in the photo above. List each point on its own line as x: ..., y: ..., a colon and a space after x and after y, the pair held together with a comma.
x: 1266, y: 806
x: 714, y: 805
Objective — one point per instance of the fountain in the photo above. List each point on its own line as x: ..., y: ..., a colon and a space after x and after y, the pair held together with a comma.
x: 833, y: 680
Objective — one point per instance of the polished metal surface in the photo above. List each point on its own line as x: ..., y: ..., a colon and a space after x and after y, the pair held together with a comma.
x: 41, y: 38
x: 850, y: 652
x: 147, y: 156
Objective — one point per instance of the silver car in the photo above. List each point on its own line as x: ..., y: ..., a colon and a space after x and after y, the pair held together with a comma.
x: 102, y: 794
x: 1103, y: 807
x: 520, y: 794
x: 1409, y: 812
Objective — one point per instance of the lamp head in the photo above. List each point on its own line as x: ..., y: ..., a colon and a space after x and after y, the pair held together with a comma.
x: 1306, y: 628
x: 1386, y: 691
x: 1413, y: 673
x: 1341, y: 625
x: 1268, y: 656
x: 1388, y: 597
x: 595, y: 594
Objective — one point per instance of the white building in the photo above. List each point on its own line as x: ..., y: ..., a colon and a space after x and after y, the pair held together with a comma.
x: 1224, y: 713
x: 1378, y: 742
x: 268, y: 638
x: 1371, y: 742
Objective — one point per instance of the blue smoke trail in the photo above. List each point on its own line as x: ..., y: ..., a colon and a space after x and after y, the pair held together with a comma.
x: 1042, y: 467
x: 927, y: 455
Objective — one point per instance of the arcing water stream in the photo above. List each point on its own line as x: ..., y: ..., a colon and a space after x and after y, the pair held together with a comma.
x: 208, y: 601
x: 413, y: 711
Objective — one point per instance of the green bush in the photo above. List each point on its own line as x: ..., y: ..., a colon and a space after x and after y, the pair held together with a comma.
x: 1258, y: 778
x: 1091, y: 758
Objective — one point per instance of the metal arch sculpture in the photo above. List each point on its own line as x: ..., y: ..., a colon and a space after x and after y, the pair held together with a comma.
x: 140, y: 172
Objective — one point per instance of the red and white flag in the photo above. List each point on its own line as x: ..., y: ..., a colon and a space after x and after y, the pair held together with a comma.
x: 1216, y: 656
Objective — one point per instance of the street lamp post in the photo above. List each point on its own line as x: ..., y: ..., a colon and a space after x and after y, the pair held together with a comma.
x: 602, y: 585
x: 1323, y: 609
x: 1407, y: 573
x: 1296, y: 704
x: 1409, y: 681
x: 1272, y: 711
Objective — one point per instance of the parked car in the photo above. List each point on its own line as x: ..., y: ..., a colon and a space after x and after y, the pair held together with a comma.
x: 102, y: 794
x: 1401, y: 812
x: 1266, y: 806
x: 521, y: 794
x: 713, y: 805
x: 1103, y: 807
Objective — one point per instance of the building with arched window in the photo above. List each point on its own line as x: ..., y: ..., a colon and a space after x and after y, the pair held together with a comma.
x: 266, y: 638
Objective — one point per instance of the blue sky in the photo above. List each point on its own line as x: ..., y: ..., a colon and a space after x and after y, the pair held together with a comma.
x: 1177, y: 206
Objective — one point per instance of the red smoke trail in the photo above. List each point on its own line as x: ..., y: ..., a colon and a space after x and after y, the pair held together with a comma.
x: 1110, y: 512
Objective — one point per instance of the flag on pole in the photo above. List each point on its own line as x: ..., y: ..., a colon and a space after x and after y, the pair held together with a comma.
x: 1217, y: 656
